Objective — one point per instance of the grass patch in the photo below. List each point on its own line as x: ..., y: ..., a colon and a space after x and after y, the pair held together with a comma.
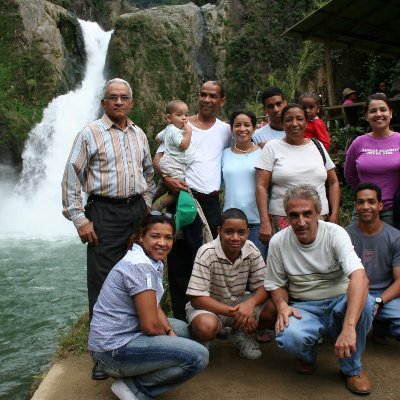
x: 74, y: 340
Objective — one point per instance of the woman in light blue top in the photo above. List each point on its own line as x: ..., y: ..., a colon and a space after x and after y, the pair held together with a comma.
x: 239, y: 175
x: 130, y: 337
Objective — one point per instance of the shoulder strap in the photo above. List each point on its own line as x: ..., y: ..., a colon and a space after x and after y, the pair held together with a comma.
x: 320, y: 149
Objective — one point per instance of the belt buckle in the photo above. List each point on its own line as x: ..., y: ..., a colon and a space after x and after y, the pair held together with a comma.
x: 132, y: 199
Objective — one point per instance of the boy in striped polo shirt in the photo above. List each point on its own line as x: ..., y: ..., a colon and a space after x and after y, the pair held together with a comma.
x: 226, y: 287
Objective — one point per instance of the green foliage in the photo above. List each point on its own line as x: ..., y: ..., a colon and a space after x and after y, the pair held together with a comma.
x: 21, y: 97
x: 257, y: 54
x: 346, y: 205
x: 376, y: 69
x: 74, y: 338
x: 155, y: 59
x: 309, y: 58
x: 341, y: 138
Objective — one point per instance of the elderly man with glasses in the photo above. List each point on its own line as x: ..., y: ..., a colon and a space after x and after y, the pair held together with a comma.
x: 110, y: 160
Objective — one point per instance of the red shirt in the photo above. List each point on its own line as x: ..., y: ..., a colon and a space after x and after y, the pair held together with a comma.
x: 317, y: 129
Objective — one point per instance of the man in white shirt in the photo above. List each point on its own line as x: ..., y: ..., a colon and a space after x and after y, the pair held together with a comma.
x: 210, y: 136
x: 273, y: 103
x: 319, y: 287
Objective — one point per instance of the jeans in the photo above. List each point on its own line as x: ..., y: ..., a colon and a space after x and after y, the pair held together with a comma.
x: 387, y: 320
x: 254, y: 236
x: 151, y: 365
x: 325, y: 317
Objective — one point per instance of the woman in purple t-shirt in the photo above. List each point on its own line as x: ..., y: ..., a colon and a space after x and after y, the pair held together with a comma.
x: 375, y: 156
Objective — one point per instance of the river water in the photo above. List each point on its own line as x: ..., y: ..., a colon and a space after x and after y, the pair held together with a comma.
x: 43, y: 290
x: 42, y: 261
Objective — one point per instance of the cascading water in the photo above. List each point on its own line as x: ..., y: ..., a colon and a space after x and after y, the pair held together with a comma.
x: 34, y: 208
x: 42, y: 261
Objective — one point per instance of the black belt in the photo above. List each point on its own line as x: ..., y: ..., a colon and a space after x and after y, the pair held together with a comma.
x: 199, y: 195
x: 115, y: 200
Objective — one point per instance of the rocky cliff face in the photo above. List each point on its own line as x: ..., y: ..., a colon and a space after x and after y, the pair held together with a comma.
x: 165, y: 53
x: 41, y: 55
x: 102, y: 11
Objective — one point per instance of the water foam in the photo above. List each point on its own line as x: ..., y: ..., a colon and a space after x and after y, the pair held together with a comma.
x: 31, y: 207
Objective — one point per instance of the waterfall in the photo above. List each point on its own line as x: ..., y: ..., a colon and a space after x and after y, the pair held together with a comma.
x: 32, y: 207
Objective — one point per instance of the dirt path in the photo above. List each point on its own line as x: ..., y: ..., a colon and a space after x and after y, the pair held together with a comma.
x: 230, y: 377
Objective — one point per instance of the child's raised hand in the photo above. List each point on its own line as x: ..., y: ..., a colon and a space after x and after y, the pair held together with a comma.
x: 187, y: 129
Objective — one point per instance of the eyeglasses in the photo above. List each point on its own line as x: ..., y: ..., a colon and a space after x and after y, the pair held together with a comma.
x: 114, y: 98
x: 155, y: 212
x: 270, y: 106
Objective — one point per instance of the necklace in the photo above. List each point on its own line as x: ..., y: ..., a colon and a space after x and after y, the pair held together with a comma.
x: 244, y: 151
x: 198, y: 121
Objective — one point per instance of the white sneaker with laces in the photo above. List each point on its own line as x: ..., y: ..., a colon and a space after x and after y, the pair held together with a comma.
x: 122, y: 391
x: 247, y: 345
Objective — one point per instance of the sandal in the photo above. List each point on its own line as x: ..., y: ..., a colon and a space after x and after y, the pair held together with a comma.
x: 263, y: 336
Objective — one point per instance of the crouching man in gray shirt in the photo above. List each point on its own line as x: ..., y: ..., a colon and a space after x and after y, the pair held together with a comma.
x: 319, y: 287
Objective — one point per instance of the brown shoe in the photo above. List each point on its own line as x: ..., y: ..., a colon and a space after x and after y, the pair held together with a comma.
x: 263, y: 336
x: 303, y: 367
x: 359, y: 383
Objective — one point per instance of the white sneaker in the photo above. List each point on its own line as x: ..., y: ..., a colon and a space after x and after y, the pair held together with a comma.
x: 247, y: 345
x: 122, y: 391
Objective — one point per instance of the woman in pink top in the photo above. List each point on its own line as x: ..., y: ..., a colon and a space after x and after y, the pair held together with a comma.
x: 375, y: 156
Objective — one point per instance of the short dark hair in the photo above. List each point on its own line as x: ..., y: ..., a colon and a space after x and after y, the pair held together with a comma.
x: 220, y: 85
x: 368, y: 186
x: 377, y: 96
x: 149, y: 220
x: 251, y: 115
x: 233, y: 213
x: 170, y: 107
x: 271, y: 92
x: 290, y: 106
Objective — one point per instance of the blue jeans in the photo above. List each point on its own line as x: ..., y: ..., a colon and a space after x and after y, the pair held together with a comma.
x: 254, y: 236
x: 151, y: 365
x: 324, y: 317
x: 387, y: 320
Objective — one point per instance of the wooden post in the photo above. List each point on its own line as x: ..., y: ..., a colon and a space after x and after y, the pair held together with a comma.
x: 329, y: 73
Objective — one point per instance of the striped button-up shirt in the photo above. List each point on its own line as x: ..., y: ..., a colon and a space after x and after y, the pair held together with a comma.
x: 106, y: 161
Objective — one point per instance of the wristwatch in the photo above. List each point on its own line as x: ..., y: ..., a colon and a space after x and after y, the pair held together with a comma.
x: 379, y: 301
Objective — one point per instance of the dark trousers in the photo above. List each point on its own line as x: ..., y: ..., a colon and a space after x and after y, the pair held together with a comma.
x: 113, y: 224
x: 182, y: 255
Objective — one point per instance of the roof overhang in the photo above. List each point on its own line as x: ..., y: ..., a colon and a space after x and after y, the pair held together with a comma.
x: 363, y: 25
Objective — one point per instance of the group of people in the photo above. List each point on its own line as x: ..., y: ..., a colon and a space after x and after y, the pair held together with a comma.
x: 278, y: 260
